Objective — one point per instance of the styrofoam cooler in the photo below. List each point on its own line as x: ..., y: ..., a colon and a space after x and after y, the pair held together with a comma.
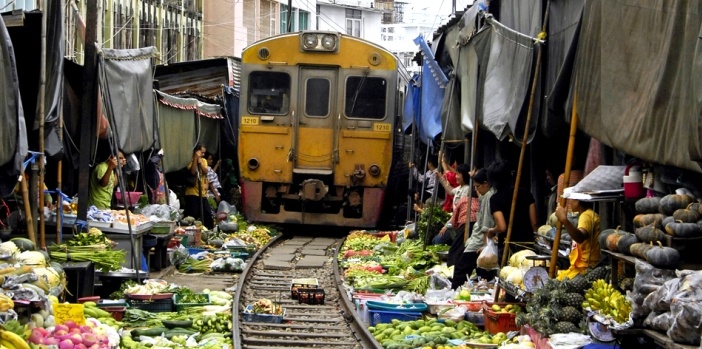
x: 633, y: 183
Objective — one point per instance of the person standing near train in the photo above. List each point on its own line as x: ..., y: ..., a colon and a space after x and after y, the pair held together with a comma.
x: 196, y: 204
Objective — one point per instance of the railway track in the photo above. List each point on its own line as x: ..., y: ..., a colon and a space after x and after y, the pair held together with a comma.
x: 268, y: 275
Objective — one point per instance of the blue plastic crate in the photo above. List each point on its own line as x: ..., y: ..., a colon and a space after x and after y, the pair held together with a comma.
x: 401, y: 308
x: 384, y: 317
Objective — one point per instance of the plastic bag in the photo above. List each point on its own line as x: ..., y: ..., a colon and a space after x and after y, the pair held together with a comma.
x: 687, y: 319
x: 438, y: 282
x: 658, y: 321
x: 488, y: 257
x: 659, y: 300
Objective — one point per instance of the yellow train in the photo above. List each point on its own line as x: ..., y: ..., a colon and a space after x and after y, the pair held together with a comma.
x: 319, y: 129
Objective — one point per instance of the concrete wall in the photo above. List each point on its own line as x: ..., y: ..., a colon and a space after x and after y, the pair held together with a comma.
x: 332, y: 17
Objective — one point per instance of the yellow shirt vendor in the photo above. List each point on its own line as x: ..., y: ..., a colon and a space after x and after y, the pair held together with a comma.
x: 585, y: 251
x: 103, y: 180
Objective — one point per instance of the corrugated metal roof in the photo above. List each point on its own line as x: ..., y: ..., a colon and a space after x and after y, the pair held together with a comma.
x: 203, y: 78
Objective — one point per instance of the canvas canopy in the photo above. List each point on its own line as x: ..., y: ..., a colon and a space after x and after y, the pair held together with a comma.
x: 126, y: 83
x: 13, y: 133
x: 642, y: 96
x: 183, y: 122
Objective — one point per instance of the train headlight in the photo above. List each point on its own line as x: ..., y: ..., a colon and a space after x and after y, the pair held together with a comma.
x: 329, y: 42
x: 319, y: 41
x: 309, y: 41
x: 374, y: 170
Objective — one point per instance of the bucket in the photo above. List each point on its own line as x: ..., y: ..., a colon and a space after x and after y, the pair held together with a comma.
x: 633, y: 183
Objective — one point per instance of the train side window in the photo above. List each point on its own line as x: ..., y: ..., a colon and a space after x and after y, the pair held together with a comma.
x: 365, y: 97
x: 269, y: 92
x: 317, y: 97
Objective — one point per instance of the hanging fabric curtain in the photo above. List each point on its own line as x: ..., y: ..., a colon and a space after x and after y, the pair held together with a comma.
x: 642, y: 96
x: 563, y: 33
x: 210, y: 119
x: 467, y: 67
x: 126, y: 81
x: 504, y: 79
x: 231, y: 123
x: 13, y: 132
x: 55, y: 51
x: 176, y: 115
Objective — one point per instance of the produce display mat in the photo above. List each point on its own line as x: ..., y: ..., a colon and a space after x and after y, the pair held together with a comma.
x: 155, y: 297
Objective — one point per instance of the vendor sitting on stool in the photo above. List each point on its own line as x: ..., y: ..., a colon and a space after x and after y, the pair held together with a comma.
x: 585, y: 249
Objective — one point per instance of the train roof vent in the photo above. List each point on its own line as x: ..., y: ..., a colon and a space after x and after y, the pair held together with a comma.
x: 263, y: 53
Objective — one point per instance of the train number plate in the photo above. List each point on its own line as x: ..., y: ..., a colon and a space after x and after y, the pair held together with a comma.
x: 249, y: 120
x: 381, y: 126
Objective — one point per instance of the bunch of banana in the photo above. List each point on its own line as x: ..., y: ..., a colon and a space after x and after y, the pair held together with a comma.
x: 11, y: 340
x: 606, y: 300
x: 6, y: 303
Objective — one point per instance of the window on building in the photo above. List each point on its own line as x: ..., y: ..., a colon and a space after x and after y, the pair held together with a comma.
x: 300, y: 19
x: 317, y: 97
x: 353, y: 22
x: 365, y: 97
x: 269, y: 92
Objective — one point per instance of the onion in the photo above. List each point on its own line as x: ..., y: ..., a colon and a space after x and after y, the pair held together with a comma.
x: 89, y: 339
x: 66, y: 344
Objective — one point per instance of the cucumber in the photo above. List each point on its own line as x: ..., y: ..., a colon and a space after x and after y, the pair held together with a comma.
x: 177, y: 323
x: 149, y: 332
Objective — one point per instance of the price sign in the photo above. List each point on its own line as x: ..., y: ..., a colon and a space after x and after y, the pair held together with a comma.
x: 249, y: 120
x: 381, y: 126
x: 65, y: 312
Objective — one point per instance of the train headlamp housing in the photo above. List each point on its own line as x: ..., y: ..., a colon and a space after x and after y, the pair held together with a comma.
x: 319, y: 41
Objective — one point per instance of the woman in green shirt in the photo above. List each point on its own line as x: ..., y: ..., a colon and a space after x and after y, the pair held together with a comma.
x: 103, y: 181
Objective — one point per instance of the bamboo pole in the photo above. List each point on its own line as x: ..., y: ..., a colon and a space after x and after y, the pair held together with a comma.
x: 566, y: 179
x: 42, y: 117
x: 27, y: 208
x: 525, y: 137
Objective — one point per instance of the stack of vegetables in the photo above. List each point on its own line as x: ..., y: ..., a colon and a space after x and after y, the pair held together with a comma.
x: 374, y: 263
x: 659, y: 219
x: 92, y: 246
x: 557, y: 307
x: 207, y: 326
x: 23, y: 266
x: 430, y: 333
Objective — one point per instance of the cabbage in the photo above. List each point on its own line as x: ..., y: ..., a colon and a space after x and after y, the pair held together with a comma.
x: 516, y: 277
x: 32, y: 258
x: 9, y: 248
x: 517, y: 258
x: 505, y: 271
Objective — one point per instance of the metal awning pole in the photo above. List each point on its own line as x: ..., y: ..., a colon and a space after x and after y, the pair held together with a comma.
x: 42, y: 117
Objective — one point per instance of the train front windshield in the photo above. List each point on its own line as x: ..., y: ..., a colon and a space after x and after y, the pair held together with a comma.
x: 365, y: 97
x: 269, y: 92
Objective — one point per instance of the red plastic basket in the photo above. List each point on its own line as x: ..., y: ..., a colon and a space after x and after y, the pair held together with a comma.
x: 499, y: 322
x: 117, y: 312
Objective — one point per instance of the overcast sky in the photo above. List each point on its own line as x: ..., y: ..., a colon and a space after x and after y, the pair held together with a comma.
x: 433, y: 11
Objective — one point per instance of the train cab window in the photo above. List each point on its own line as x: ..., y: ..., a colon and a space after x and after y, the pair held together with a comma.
x: 317, y: 97
x: 365, y: 97
x: 269, y: 92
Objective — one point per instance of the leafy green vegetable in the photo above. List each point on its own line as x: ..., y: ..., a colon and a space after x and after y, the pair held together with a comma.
x: 439, y: 217
x: 119, y: 294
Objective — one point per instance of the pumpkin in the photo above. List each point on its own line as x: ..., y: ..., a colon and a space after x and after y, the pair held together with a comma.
x: 667, y: 220
x: 625, y: 242
x: 605, y: 234
x: 686, y: 215
x: 648, y: 205
x: 642, y: 220
x: 613, y: 240
x: 639, y: 249
x: 672, y: 202
x: 650, y: 233
x: 695, y: 206
x: 663, y: 257
x: 683, y: 229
